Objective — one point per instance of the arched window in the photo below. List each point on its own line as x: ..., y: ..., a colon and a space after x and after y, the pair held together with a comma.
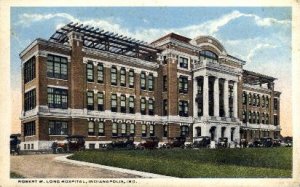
x: 123, y: 103
x: 132, y: 129
x: 123, y: 129
x: 258, y: 100
x: 151, y: 130
x: 91, y: 131
x: 254, y: 100
x: 143, y: 106
x: 209, y: 56
x: 144, y: 130
x: 250, y: 117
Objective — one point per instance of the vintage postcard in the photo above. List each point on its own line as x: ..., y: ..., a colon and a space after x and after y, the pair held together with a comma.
x: 150, y: 94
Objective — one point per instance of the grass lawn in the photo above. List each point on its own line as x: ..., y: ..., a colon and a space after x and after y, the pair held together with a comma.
x: 187, y: 163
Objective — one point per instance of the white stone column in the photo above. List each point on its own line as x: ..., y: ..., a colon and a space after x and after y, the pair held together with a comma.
x: 195, y: 92
x: 226, y: 100
x: 235, y: 103
x: 216, y: 97
x: 205, y: 96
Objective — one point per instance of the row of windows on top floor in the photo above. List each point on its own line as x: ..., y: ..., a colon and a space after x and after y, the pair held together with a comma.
x: 256, y: 117
x: 58, y: 98
x: 56, y: 127
x: 57, y: 68
x: 256, y: 100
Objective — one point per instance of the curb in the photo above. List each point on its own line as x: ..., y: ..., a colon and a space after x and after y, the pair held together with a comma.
x: 133, y: 172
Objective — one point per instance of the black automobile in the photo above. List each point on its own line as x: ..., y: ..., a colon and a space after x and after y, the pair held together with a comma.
x: 15, y: 144
x: 71, y: 144
x: 223, y: 142
x: 201, y: 142
x: 266, y: 142
x: 256, y: 143
x: 276, y: 143
x: 175, y: 142
x: 121, y: 142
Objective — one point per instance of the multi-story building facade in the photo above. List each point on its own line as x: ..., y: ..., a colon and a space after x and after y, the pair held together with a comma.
x: 83, y: 81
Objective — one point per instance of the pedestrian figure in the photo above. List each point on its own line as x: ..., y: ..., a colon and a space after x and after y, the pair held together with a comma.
x: 54, y: 146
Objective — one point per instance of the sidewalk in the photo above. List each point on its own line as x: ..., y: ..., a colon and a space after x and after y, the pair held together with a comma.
x: 128, y: 171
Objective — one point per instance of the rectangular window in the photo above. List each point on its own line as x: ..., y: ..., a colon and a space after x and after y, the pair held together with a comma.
x: 165, y: 130
x: 123, y: 129
x: 275, y: 104
x: 151, y: 107
x: 184, y: 131
x: 100, y: 72
x: 132, y: 129
x: 57, y: 67
x: 143, y: 106
x: 143, y: 80
x: 113, y: 75
x: 244, y: 98
x: 58, y: 128
x: 114, y: 129
x: 165, y: 83
x: 183, y: 62
x: 57, y: 98
x: 114, y: 103
x: 131, y: 105
x: 183, y: 109
x: 123, y: 103
x: 101, y: 129
x: 100, y: 101
x: 29, y: 128
x: 29, y: 70
x: 151, y: 130
x: 131, y: 79
x: 150, y: 82
x: 91, y: 129
x: 90, y: 72
x: 275, y: 120
x: 165, y: 107
x: 183, y: 84
x: 91, y: 146
x: 122, y: 77
x: 30, y: 100
x: 258, y: 100
x: 90, y: 100
x: 144, y: 130
x: 267, y: 102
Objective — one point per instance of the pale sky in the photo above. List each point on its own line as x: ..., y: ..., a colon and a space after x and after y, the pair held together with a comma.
x: 260, y: 36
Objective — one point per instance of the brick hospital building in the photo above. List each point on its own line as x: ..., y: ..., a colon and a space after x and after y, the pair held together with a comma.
x: 86, y: 81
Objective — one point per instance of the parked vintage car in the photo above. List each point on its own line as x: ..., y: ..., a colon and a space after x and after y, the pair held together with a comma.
x: 243, y: 143
x: 15, y: 144
x: 175, y: 142
x: 266, y: 142
x: 276, y: 143
x: 121, y: 142
x: 71, y: 144
x: 149, y: 143
x: 201, y: 142
x: 223, y: 142
x: 255, y: 143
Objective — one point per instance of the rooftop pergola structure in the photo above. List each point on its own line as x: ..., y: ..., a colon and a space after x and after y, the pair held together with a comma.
x: 96, y: 38
x: 253, y: 78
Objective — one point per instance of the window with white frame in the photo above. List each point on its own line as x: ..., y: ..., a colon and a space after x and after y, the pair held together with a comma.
x: 143, y: 80
x: 144, y: 130
x: 184, y: 130
x: 150, y: 82
x: 131, y: 105
x: 123, y: 129
x: 90, y: 100
x: 100, y: 72
x: 151, y: 130
x: 183, y: 62
x: 100, y: 99
x: 91, y: 129
x: 209, y: 56
x: 183, y: 109
x: 123, y: 103
x: 58, y: 127
x: 114, y: 129
x: 123, y: 77
x: 183, y: 84
x: 101, y: 128
x: 131, y: 78
x: 57, y: 98
x: 57, y: 67
x: 151, y: 106
x: 114, y: 107
x: 90, y: 72
x: 132, y: 129
x: 143, y: 106
x: 113, y: 75
x: 30, y: 100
